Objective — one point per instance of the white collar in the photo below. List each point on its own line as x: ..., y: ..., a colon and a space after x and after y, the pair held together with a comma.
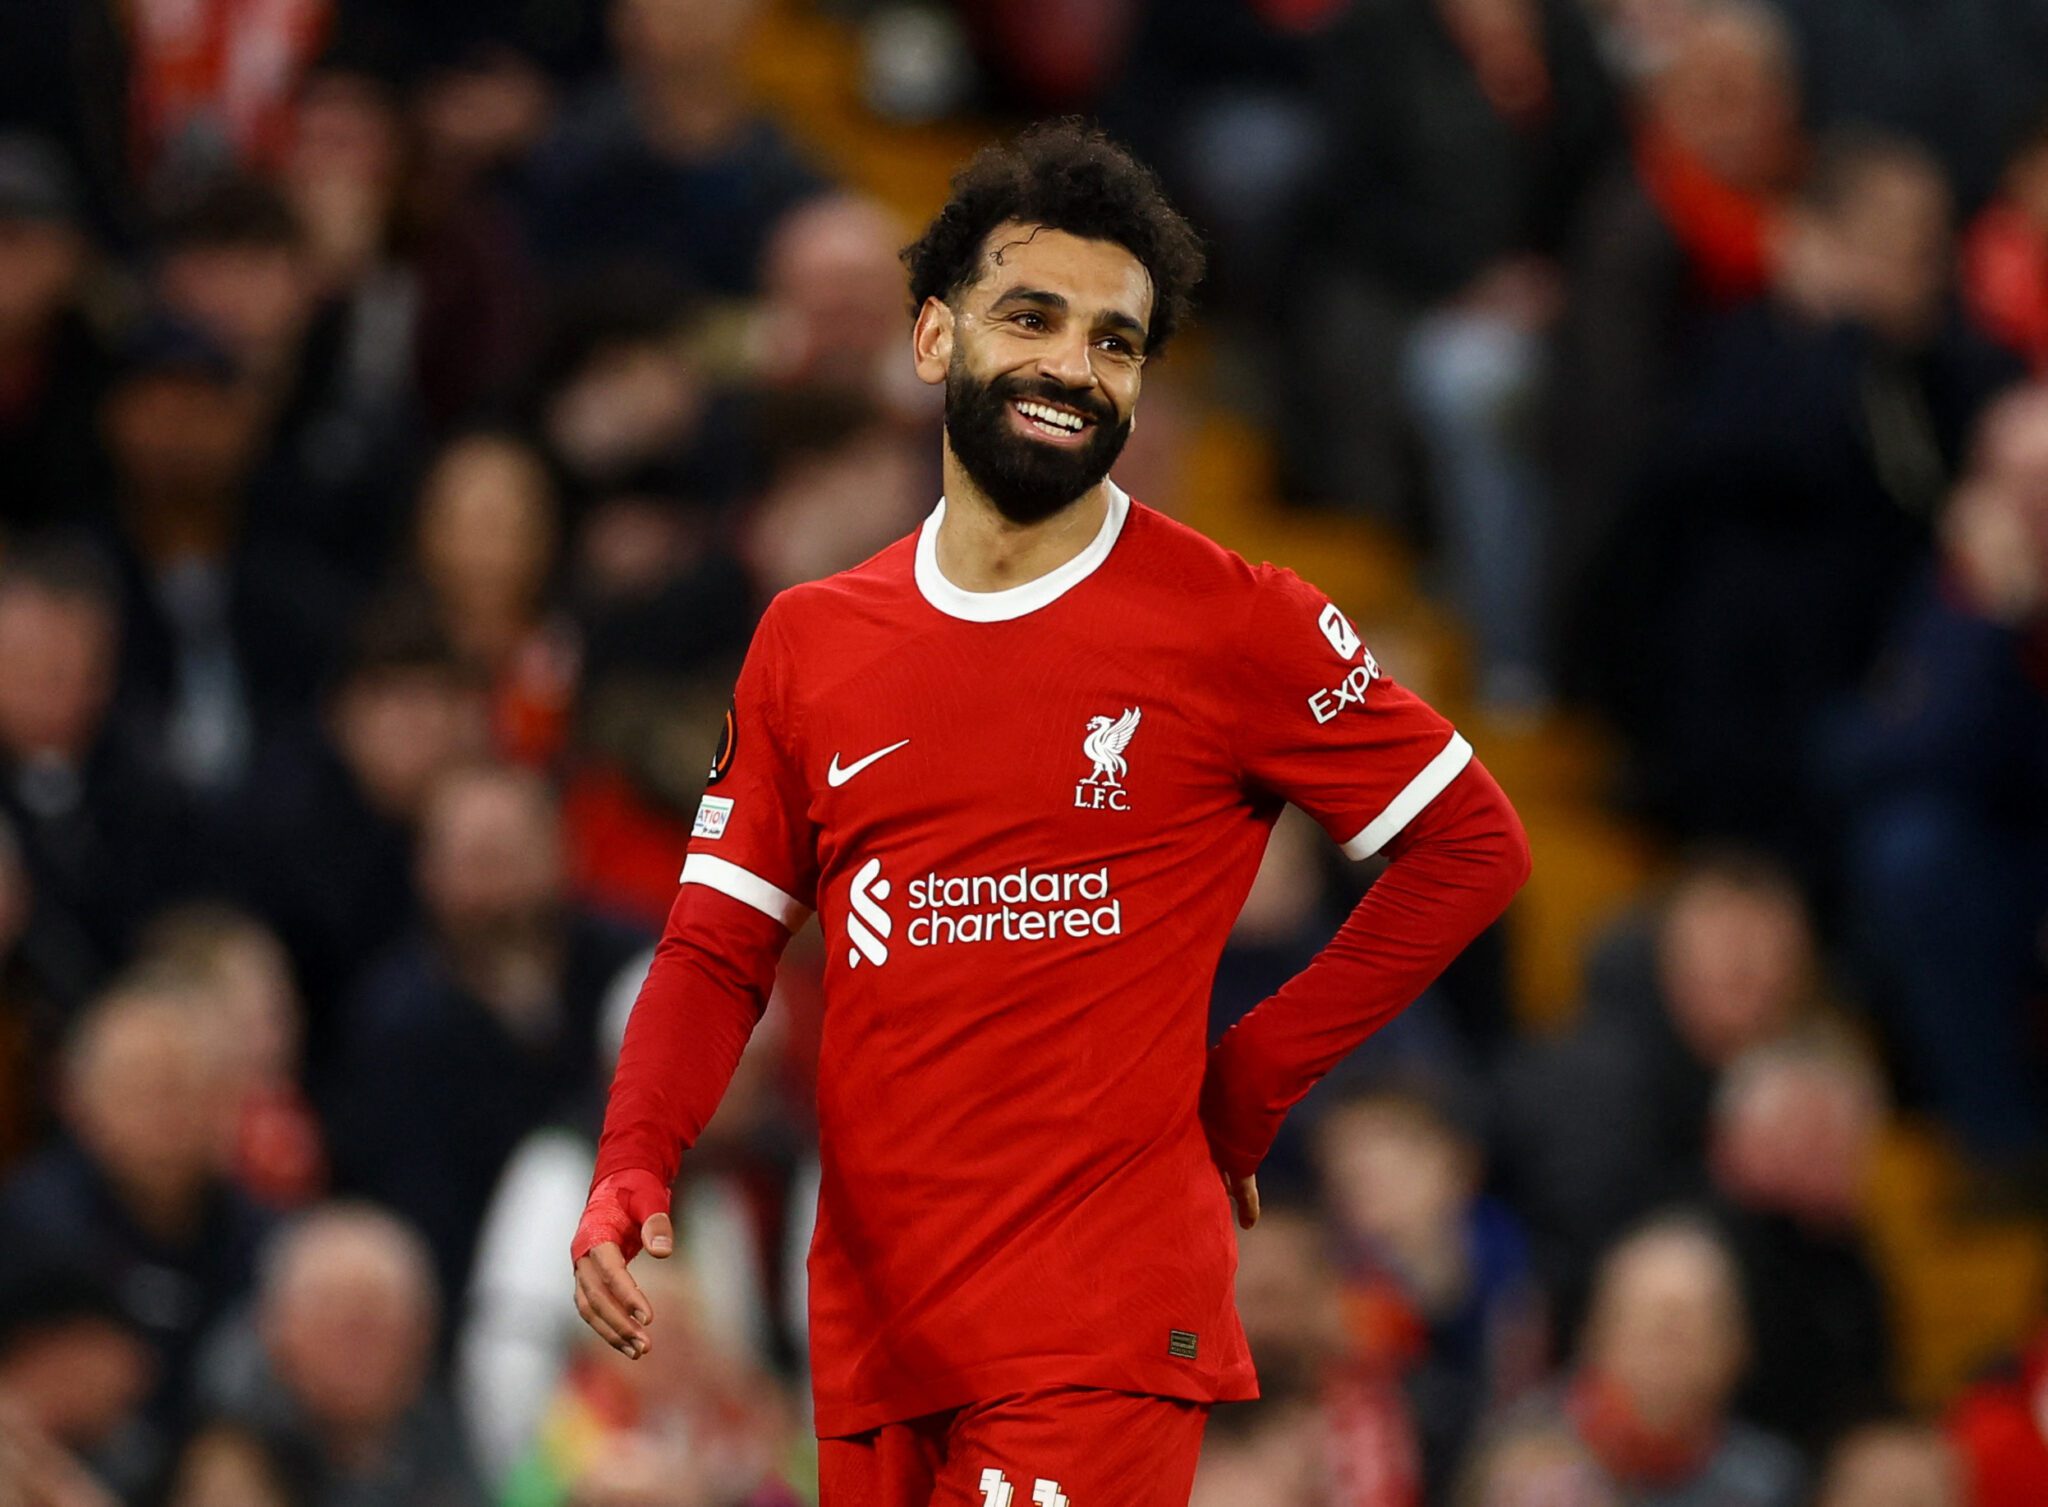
x: 1014, y: 601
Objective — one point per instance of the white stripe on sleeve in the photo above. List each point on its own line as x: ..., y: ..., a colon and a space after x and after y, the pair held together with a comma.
x: 746, y: 887
x: 1403, y: 808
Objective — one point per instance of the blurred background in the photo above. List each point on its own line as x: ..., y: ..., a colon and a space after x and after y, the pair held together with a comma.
x: 406, y: 407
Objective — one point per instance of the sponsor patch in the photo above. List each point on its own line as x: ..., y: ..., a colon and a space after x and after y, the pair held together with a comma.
x: 712, y: 814
x: 728, y: 745
x: 1350, y: 691
x: 1023, y: 905
x: 1181, y: 1343
x: 1338, y: 630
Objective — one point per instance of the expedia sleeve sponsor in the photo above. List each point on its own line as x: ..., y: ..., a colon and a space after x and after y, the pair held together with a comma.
x: 1320, y: 724
x: 1324, y: 705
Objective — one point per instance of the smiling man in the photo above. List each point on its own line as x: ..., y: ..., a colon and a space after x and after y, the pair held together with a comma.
x: 1023, y: 765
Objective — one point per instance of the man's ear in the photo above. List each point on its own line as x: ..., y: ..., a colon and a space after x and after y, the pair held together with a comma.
x: 931, y: 341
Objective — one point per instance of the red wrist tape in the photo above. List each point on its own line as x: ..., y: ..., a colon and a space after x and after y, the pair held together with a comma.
x: 618, y: 1206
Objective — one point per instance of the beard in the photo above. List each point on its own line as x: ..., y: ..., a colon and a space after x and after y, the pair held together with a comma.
x: 1027, y: 480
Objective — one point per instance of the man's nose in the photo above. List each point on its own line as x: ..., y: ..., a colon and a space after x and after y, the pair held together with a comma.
x: 1069, y: 361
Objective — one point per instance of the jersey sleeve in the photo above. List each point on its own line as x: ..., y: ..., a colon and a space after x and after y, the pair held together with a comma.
x: 753, y: 838
x: 749, y: 880
x: 1320, y: 724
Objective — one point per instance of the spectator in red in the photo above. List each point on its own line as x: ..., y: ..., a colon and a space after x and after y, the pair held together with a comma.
x: 2005, y: 255
x: 210, y: 83
x: 488, y: 536
x: 276, y: 1151
x: 1785, y: 510
x: 2000, y: 1426
x: 1657, y: 1370
x: 1438, y: 1292
x: 1717, y: 145
x: 1684, y: 222
x: 1333, y: 1426
x: 628, y: 807
x: 1046, y: 59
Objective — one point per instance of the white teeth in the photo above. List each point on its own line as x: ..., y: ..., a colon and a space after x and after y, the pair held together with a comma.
x: 1068, y: 421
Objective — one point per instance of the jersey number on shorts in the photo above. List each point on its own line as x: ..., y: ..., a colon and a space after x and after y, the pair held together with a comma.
x: 997, y: 1492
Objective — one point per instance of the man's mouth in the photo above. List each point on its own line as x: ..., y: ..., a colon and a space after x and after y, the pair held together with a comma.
x: 1054, y: 421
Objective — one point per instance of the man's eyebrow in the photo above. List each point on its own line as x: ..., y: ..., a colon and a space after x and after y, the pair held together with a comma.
x: 1114, y: 319
x: 1021, y: 294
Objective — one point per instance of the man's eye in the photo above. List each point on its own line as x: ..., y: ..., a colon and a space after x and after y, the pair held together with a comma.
x: 1028, y: 320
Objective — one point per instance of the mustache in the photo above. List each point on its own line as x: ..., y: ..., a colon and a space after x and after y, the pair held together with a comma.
x: 1080, y: 399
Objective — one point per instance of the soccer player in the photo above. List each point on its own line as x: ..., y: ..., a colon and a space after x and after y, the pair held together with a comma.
x: 1023, y: 764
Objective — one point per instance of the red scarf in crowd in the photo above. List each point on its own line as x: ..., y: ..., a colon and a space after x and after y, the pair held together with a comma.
x: 1724, y: 231
x: 230, y: 67
x: 2005, y: 282
x: 1628, y: 1449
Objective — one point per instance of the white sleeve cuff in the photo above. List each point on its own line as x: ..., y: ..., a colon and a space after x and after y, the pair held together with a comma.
x: 746, y: 887
x: 1403, y: 808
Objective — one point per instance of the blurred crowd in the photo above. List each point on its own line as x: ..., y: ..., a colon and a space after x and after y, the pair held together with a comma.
x: 406, y: 407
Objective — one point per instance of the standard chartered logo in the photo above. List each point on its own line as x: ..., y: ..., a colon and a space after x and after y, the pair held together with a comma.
x: 869, y: 924
x: 1021, y: 905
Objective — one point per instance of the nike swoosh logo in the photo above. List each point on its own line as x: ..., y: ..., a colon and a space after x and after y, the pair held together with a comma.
x: 835, y: 776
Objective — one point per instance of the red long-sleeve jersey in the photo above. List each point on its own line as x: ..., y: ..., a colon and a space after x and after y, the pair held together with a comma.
x: 1026, y: 820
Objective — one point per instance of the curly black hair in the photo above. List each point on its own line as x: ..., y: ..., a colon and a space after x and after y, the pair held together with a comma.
x: 1064, y: 175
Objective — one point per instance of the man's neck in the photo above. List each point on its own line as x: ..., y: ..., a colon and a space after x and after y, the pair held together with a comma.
x: 981, y: 550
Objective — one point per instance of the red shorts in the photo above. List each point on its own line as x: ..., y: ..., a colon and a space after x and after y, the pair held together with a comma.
x: 1053, y: 1447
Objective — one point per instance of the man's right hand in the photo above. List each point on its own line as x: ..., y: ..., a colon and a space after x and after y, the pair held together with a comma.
x: 1244, y: 1198
x: 627, y: 1212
